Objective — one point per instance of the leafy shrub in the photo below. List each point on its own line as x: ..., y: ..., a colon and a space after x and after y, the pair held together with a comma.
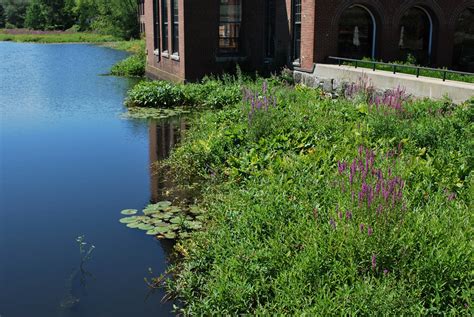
x: 132, y: 66
x: 159, y: 94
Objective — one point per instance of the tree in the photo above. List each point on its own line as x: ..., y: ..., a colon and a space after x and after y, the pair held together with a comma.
x: 2, y: 16
x: 15, y: 11
x: 35, y: 18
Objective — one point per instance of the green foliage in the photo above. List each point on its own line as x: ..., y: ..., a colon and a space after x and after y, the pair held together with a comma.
x: 15, y: 11
x: 211, y: 93
x: 50, y: 14
x: 107, y: 17
x: 132, y: 66
x: 285, y: 235
x: 158, y: 94
x: 2, y: 16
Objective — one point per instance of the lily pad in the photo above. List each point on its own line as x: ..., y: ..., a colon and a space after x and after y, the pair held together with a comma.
x: 177, y: 220
x: 129, y: 212
x: 134, y: 225
x: 156, y: 231
x: 128, y: 220
x: 170, y: 235
x: 145, y: 227
x: 164, y: 204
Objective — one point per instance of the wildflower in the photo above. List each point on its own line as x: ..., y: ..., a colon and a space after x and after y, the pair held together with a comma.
x: 332, y: 223
x: 370, y: 231
x: 348, y: 215
x: 374, y: 261
x: 385, y: 272
x: 361, y: 227
x: 339, y: 214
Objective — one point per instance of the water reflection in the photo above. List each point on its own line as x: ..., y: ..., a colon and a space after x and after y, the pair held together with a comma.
x: 163, y: 136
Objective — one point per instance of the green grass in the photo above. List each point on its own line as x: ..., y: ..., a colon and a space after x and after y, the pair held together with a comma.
x: 285, y: 235
x: 425, y: 73
x: 132, y: 46
x: 58, y: 38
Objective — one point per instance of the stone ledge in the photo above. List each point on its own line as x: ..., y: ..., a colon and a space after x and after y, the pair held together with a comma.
x: 334, y: 78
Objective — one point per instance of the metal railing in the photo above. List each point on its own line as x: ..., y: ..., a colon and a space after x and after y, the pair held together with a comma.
x: 395, y: 67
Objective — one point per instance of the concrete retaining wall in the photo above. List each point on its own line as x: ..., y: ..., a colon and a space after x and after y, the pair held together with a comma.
x: 333, y: 78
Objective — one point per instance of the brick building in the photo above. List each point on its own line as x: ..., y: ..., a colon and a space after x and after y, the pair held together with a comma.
x: 187, y: 39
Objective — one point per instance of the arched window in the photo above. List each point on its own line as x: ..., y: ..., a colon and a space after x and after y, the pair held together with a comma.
x: 357, y: 33
x: 416, y: 35
x: 464, y: 41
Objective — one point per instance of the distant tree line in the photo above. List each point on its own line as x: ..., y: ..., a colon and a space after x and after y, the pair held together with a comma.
x: 115, y: 17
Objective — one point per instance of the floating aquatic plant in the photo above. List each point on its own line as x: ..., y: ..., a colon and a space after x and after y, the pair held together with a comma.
x: 165, y: 220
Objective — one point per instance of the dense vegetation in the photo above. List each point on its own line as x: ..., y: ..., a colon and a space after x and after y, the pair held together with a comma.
x: 112, y: 17
x: 322, y: 206
x: 212, y: 93
x: 132, y: 66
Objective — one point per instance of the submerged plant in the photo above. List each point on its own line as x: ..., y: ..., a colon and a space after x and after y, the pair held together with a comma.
x: 85, y: 250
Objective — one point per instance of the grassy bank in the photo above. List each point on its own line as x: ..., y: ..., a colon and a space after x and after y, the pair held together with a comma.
x: 54, y: 37
x: 324, y: 206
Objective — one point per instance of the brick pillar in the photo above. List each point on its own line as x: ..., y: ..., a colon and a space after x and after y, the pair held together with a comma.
x: 308, y: 11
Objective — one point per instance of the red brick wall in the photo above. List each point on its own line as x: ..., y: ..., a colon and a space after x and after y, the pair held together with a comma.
x: 388, y: 14
x: 199, y: 20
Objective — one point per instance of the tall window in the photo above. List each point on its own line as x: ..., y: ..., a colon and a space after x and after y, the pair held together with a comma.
x: 175, y: 27
x: 164, y: 25
x: 230, y: 19
x: 296, y: 30
x: 416, y: 34
x: 156, y: 25
x: 270, y: 28
x: 357, y: 30
x: 463, y: 58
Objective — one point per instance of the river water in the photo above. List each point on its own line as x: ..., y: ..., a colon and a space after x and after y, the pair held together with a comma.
x: 68, y: 164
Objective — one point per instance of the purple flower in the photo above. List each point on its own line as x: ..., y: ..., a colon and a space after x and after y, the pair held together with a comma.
x: 339, y: 214
x: 385, y: 272
x: 348, y: 215
x: 332, y: 223
x: 370, y: 231
x: 374, y: 261
x: 361, y: 227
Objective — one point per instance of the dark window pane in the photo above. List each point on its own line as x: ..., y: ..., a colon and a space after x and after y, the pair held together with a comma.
x: 415, y: 29
x: 229, y: 25
x: 270, y: 28
x: 297, y: 30
x: 175, y: 29
x: 464, y: 41
x: 156, y: 23
x: 356, y: 33
x: 164, y: 27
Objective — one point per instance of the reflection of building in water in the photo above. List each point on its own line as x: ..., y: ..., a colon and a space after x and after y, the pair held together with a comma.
x: 163, y: 136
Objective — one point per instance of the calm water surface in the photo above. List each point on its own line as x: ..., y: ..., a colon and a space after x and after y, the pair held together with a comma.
x: 68, y: 165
